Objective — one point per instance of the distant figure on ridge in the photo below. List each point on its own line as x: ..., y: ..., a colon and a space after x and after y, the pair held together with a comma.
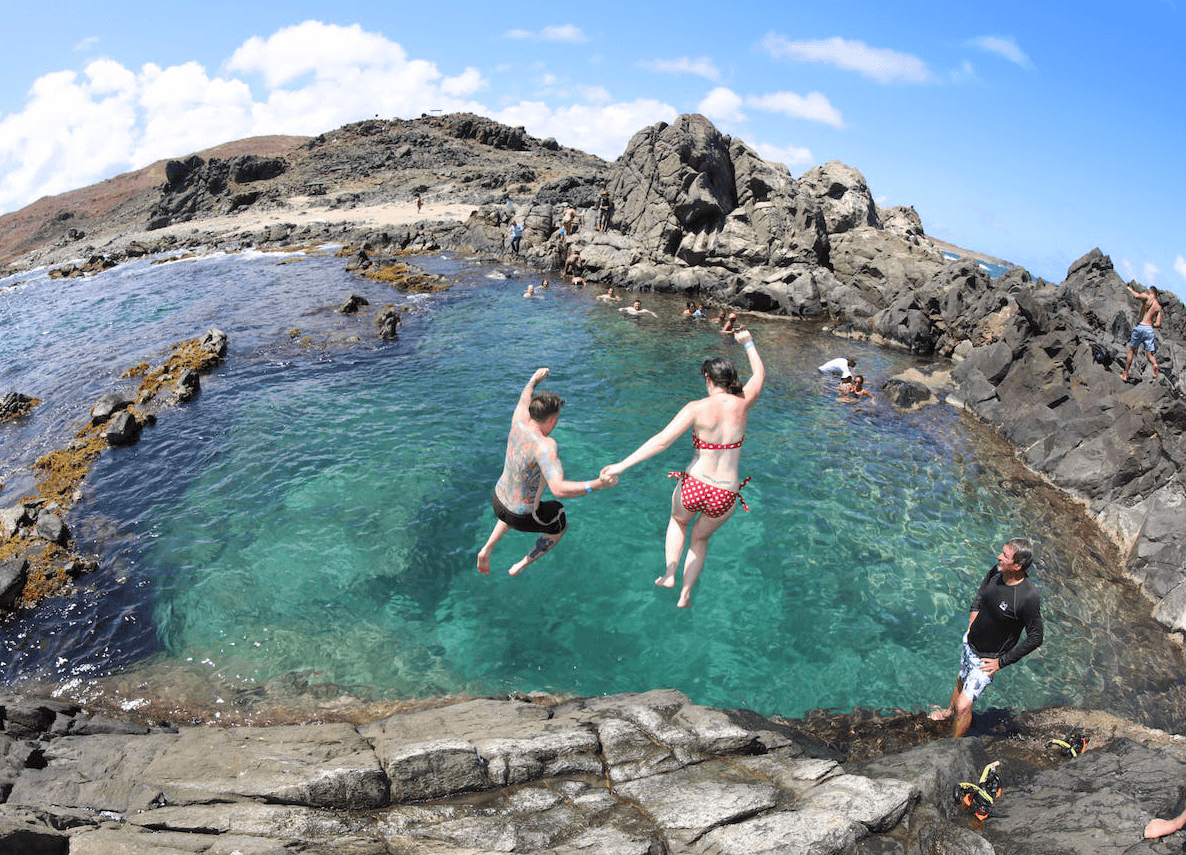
x: 1142, y: 333
x: 1006, y: 603
x: 605, y: 211
x: 516, y: 236
x: 707, y: 492
x: 419, y: 203
x: 533, y: 462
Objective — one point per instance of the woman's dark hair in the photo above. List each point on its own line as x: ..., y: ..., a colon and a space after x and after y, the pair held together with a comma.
x: 722, y: 374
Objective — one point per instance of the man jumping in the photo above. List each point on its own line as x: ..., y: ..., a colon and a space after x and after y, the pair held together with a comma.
x: 532, y: 460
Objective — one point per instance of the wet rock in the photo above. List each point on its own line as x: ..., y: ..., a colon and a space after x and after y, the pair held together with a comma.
x: 16, y: 404
x: 353, y: 303
x: 49, y: 526
x: 13, y: 575
x: 122, y: 429
x: 906, y: 394
x: 388, y: 321
x: 107, y: 406
x: 188, y: 384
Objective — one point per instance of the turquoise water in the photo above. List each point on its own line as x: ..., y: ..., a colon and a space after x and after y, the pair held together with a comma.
x: 318, y: 508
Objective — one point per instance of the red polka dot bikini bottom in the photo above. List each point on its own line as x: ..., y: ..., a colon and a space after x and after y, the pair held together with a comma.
x: 696, y: 496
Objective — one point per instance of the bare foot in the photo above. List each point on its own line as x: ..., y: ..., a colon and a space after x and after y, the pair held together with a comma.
x: 1125, y: 377
x: 483, y: 564
x: 665, y: 581
x: 517, y: 569
x: 939, y: 715
x: 685, y: 600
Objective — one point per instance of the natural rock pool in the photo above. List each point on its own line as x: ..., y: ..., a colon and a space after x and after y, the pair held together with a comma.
x: 314, y: 515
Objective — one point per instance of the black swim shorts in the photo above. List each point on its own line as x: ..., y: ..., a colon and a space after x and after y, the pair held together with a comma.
x: 548, y: 517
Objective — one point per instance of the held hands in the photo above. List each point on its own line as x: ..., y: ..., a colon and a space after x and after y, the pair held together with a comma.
x: 539, y: 375
x: 610, y: 473
x: 743, y: 337
x: 607, y: 480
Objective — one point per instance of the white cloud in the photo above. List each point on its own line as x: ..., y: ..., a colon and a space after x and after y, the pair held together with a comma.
x: 790, y: 156
x: 564, y: 33
x: 601, y: 130
x: 87, y: 43
x: 556, y: 33
x: 79, y: 127
x: 814, y: 106
x: 701, y: 66
x: 880, y: 64
x: 1180, y: 266
x: 595, y: 94
x: 1150, y: 272
x: 1004, y: 47
x: 722, y: 105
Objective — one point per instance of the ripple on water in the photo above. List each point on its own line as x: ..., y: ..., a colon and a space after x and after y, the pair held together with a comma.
x: 313, y: 517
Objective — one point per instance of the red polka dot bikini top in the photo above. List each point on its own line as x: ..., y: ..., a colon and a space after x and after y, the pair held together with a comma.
x: 698, y: 443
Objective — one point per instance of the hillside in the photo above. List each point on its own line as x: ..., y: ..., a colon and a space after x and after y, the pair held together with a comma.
x: 458, y: 157
x: 111, y: 204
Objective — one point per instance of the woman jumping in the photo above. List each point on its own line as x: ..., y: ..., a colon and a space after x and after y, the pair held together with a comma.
x: 711, y: 485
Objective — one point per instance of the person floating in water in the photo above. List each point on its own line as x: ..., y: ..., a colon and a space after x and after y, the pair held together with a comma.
x: 1006, y: 603
x: 1142, y: 333
x: 853, y: 389
x: 533, y: 462
x: 706, y: 494
x: 636, y: 310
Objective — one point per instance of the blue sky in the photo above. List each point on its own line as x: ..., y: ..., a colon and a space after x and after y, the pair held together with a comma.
x: 1029, y: 131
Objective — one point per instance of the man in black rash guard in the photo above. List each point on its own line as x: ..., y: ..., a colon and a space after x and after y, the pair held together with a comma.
x: 1006, y: 604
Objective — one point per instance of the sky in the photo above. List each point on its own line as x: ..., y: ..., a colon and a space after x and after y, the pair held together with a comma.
x: 1029, y: 131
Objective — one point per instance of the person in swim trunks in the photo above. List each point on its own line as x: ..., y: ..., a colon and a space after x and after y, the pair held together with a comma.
x: 1006, y: 603
x: 708, y: 491
x: 1142, y: 333
x: 533, y: 462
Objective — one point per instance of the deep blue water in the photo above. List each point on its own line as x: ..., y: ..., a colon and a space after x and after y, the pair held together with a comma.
x: 318, y: 508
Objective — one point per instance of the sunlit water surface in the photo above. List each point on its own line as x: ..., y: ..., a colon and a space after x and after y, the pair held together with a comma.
x: 313, y: 516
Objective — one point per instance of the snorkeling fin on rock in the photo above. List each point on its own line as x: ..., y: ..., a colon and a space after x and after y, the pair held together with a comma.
x: 980, y: 797
x: 1073, y: 745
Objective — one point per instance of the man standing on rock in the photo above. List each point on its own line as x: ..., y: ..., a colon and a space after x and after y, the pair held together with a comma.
x: 532, y: 461
x: 1005, y: 604
x: 1142, y: 333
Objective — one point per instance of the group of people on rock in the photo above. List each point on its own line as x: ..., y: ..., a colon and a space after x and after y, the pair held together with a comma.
x: 570, y: 223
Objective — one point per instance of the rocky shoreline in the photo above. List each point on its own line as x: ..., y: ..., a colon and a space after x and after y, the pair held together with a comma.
x: 696, y: 213
x: 631, y: 774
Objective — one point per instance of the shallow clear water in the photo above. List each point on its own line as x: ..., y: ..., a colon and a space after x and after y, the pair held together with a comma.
x: 318, y: 508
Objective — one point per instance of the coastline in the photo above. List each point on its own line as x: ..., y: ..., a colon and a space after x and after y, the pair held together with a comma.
x: 355, y: 221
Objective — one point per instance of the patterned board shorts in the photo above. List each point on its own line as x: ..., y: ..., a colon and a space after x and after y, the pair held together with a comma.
x: 975, y: 681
